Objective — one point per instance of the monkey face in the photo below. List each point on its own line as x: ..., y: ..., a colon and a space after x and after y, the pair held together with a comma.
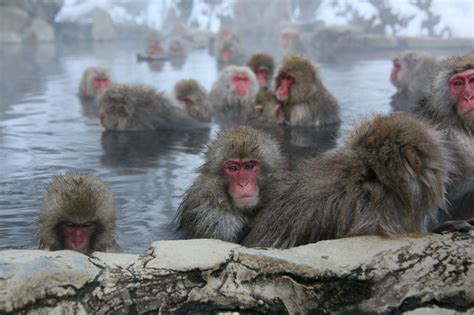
x: 461, y: 86
x: 242, y: 176
x: 285, y: 83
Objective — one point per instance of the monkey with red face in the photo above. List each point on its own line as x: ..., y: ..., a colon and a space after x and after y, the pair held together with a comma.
x: 233, y: 94
x: 451, y: 108
x: 95, y: 81
x: 292, y: 43
x: 263, y: 66
x: 305, y: 100
x: 412, y: 74
x: 78, y: 213
x: 242, y: 167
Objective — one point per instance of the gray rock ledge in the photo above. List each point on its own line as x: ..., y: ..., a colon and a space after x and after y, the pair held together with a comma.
x: 417, y: 275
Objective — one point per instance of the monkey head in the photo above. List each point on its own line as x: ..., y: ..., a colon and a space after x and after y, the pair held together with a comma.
x: 78, y: 213
x: 453, y: 91
x: 95, y: 82
x: 241, y: 81
x: 289, y: 36
x: 267, y: 110
x: 243, y: 160
x: 263, y: 66
x: 296, y: 81
x: 407, y: 64
x: 189, y: 93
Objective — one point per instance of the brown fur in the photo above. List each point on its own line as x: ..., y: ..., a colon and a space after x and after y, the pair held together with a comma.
x: 138, y: 107
x: 87, y: 90
x: 265, y: 61
x: 192, y: 90
x: 77, y: 197
x: 440, y: 110
x: 366, y: 187
x: 207, y: 210
x: 309, y: 102
x: 266, y: 110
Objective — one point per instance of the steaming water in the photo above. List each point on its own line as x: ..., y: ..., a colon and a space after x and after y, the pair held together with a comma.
x: 45, y: 131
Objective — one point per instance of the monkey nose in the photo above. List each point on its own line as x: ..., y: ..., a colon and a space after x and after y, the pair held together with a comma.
x: 243, y: 183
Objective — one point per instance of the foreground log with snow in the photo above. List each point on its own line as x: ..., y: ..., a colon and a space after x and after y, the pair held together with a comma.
x: 361, y: 274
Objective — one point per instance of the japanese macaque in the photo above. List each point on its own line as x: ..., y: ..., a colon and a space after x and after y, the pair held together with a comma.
x: 192, y: 96
x: 387, y: 178
x: 451, y: 108
x: 306, y: 102
x: 267, y: 110
x: 154, y: 50
x: 292, y: 43
x: 78, y: 213
x: 176, y: 49
x: 95, y: 81
x: 412, y: 74
x: 241, y: 168
x: 263, y: 66
x: 229, y: 51
x: 138, y: 108
x: 233, y: 94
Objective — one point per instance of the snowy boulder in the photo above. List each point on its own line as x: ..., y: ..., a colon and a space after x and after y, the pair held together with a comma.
x: 419, y: 274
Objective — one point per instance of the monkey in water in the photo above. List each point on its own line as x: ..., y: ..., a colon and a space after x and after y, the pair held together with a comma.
x: 305, y: 100
x: 192, y: 96
x: 233, y: 94
x: 387, y: 179
x: 242, y: 167
x: 126, y: 107
x: 267, y: 111
x: 412, y: 74
x: 95, y: 81
x: 78, y: 213
x: 263, y: 66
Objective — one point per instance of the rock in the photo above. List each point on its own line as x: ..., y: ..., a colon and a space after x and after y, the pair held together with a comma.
x: 103, y: 27
x: 43, y: 9
x: 419, y: 275
x: 39, y: 30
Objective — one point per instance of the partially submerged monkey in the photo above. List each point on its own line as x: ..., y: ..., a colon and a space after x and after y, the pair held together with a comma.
x: 193, y: 98
x: 305, y: 100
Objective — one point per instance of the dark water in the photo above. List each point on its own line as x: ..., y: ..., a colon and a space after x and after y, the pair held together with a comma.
x: 44, y: 131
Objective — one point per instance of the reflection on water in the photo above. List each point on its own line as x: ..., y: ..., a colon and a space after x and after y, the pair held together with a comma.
x: 44, y: 131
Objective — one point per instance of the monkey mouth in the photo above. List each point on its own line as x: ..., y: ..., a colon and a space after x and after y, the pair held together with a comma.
x: 468, y: 115
x: 247, y: 201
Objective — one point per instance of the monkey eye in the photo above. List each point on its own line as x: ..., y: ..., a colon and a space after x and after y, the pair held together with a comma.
x: 69, y: 224
x: 232, y: 168
x: 249, y: 166
x: 88, y: 224
x: 457, y: 83
x: 471, y: 80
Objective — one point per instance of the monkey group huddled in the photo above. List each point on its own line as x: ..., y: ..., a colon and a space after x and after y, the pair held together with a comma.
x: 410, y: 172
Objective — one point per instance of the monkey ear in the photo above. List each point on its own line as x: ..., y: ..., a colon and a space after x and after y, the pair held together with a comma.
x: 258, y: 109
x: 413, y: 158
